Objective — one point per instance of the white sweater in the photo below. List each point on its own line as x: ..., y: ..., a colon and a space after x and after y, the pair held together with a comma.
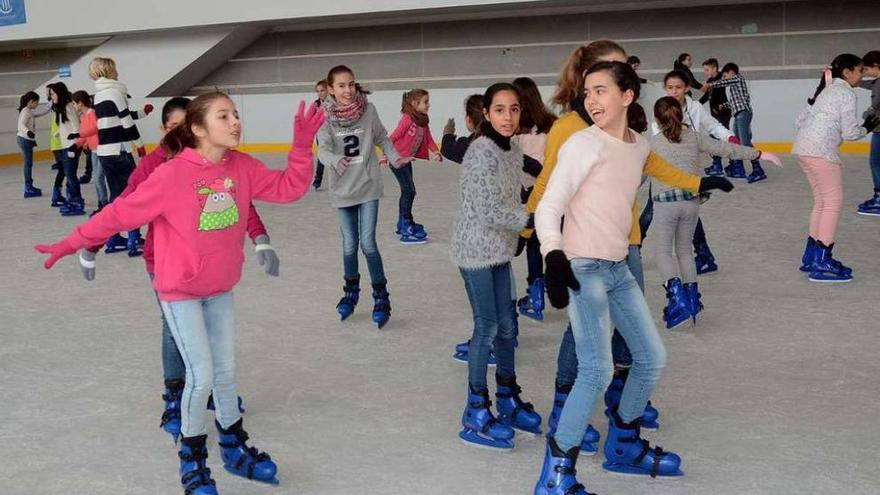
x: 27, y: 120
x: 833, y: 118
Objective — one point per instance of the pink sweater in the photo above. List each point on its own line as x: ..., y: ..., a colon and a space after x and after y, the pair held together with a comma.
x: 406, y: 139
x: 145, y: 168
x: 594, y: 185
x: 88, y: 131
x: 198, y: 212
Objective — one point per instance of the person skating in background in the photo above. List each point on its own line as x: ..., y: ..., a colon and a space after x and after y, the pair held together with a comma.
x: 28, y: 110
x: 829, y: 119
x: 871, y: 61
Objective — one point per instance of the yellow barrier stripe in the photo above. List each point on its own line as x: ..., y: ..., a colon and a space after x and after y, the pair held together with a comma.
x: 771, y: 147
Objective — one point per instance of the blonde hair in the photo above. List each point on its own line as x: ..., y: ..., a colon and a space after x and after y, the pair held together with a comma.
x: 101, y: 67
x: 571, y: 78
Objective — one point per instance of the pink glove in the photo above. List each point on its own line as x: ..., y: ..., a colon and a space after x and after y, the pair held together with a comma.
x: 402, y: 161
x: 734, y: 140
x: 148, y: 109
x: 305, y: 125
x: 770, y: 157
x: 57, y: 251
x: 342, y: 165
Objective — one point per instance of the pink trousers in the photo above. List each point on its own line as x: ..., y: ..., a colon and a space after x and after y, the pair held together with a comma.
x: 826, y: 181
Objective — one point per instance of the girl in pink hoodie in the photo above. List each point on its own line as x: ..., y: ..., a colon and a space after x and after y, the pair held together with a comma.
x: 412, y: 138
x: 198, y: 206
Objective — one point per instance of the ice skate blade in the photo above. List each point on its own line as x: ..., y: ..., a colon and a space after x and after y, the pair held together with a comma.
x: 821, y: 281
x: 273, y: 481
x: 464, y: 359
x: 472, y: 439
x: 529, y: 433
x: 532, y: 315
x: 677, y: 325
x: 414, y: 242
x: 869, y: 213
x: 626, y: 470
x: 650, y: 426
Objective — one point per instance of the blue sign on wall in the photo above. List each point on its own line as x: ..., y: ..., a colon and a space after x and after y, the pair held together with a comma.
x: 12, y: 12
x: 64, y: 70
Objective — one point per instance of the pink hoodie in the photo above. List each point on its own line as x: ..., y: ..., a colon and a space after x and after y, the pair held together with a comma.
x: 405, y: 139
x: 145, y: 168
x: 88, y: 131
x: 198, y: 212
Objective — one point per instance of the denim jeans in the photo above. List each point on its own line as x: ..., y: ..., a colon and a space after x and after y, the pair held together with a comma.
x: 404, y: 176
x: 534, y: 260
x: 608, y: 294
x: 27, y: 153
x: 172, y: 363
x: 488, y: 291
x: 874, y: 160
x: 68, y: 168
x: 100, y: 179
x: 319, y: 172
x: 567, y: 360
x: 204, y: 330
x: 358, y: 226
x: 724, y: 119
x: 117, y: 168
x: 742, y: 127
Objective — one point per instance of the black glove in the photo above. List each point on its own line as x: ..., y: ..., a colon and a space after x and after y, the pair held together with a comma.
x: 520, y: 245
x: 531, y: 166
x: 559, y: 278
x: 31, y: 134
x: 530, y: 224
x: 72, y: 136
x: 709, y: 183
x: 871, y: 122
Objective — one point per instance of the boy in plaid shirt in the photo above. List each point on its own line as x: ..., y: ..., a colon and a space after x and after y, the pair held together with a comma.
x: 741, y: 107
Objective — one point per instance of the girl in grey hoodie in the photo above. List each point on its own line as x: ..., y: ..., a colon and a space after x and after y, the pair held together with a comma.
x: 346, y: 144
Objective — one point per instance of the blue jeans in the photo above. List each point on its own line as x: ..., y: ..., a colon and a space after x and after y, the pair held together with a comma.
x: 874, y: 160
x: 488, y: 291
x: 172, y: 364
x: 608, y: 294
x: 100, y: 179
x: 204, y: 330
x: 27, y: 152
x: 116, y: 169
x: 404, y: 176
x: 742, y: 127
x: 567, y: 360
x: 69, y: 166
x: 358, y: 226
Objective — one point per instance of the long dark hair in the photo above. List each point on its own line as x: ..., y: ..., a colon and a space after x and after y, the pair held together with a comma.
x: 626, y: 79
x: 669, y: 116
x: 182, y: 136
x: 843, y: 61
x: 473, y: 108
x: 27, y: 98
x: 344, y: 69
x: 534, y: 112
x: 64, y: 98
x: 488, y: 96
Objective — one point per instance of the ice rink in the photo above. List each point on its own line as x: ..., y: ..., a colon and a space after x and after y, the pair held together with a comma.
x: 774, y: 391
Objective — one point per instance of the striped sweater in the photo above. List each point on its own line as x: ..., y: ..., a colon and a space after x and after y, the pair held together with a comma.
x: 116, y: 129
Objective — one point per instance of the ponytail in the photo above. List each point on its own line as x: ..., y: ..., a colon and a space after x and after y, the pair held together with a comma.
x: 27, y: 98
x: 571, y: 78
x: 182, y: 136
x: 179, y: 138
x: 843, y: 61
x: 669, y: 116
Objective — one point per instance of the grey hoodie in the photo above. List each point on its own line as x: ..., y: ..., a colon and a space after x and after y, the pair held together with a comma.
x: 873, y: 86
x: 362, y: 182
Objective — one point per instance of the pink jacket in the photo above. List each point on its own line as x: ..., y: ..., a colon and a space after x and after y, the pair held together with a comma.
x: 145, y: 168
x: 88, y: 131
x: 406, y: 139
x: 198, y: 211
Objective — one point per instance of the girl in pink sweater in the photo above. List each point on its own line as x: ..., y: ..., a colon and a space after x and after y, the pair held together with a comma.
x: 412, y: 138
x: 594, y: 185
x: 198, y: 207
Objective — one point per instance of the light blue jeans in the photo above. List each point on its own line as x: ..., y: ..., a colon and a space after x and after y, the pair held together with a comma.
x: 204, y: 330
x: 100, y: 179
x: 358, y: 226
x: 609, y: 294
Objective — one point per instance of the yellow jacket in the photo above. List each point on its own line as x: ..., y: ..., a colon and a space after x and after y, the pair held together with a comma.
x: 655, y: 166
